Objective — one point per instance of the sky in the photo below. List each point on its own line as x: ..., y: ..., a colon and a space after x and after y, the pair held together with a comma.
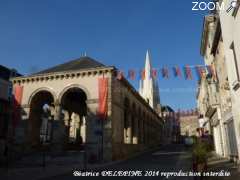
x: 39, y: 34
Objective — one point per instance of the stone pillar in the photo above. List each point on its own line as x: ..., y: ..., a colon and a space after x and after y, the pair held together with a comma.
x: 135, y: 133
x: 129, y: 130
x: 78, y: 127
x: 146, y: 131
x: 72, y: 127
x: 125, y: 127
x: 141, y: 131
x: 22, y: 131
x: 83, y: 129
x: 58, y: 133
x: 124, y: 135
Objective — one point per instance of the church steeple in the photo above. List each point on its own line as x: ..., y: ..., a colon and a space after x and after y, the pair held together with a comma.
x: 148, y: 66
x: 149, y: 87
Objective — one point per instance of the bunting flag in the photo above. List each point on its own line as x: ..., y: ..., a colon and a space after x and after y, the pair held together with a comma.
x: 154, y: 73
x: 177, y: 71
x: 102, y: 98
x: 131, y: 74
x: 165, y: 73
x: 143, y: 74
x: 185, y: 71
x: 200, y: 71
x: 120, y: 75
x: 188, y: 73
x: 17, y: 100
x: 211, y: 71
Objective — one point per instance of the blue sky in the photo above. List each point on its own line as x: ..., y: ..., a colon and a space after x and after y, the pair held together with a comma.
x: 39, y: 34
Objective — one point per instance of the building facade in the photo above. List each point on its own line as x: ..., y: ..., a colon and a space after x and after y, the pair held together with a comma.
x: 218, y: 91
x: 67, y: 99
x: 211, y: 84
x: 189, y: 125
x: 171, y: 130
x: 230, y: 26
x: 5, y: 107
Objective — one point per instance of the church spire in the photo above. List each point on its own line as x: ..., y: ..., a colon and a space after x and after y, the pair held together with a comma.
x: 148, y: 87
x: 148, y: 67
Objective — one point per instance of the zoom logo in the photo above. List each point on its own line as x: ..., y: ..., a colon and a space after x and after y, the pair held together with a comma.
x: 210, y: 6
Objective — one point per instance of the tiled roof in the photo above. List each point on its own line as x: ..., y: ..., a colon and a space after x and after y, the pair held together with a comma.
x: 77, y: 64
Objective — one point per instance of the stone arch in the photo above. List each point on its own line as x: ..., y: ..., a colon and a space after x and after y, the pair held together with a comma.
x: 144, y: 126
x: 74, y: 86
x: 140, y: 121
x: 41, y: 103
x: 73, y: 102
x: 126, y: 106
x: 50, y: 90
x: 126, y: 120
x: 134, y: 124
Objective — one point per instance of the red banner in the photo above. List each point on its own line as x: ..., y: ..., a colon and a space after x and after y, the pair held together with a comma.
x: 103, y: 96
x: 17, y: 100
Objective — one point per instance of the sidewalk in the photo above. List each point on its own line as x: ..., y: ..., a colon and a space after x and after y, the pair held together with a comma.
x: 217, y: 164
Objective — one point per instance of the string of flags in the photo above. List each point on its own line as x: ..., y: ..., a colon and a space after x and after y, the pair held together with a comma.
x: 166, y: 72
x: 183, y: 113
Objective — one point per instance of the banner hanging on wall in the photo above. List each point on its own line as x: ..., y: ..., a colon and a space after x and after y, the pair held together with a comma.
x: 102, y: 98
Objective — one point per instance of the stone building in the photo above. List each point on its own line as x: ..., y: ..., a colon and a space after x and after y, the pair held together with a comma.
x: 212, y: 97
x: 216, y: 96
x: 189, y: 125
x: 67, y: 97
x: 5, y: 106
x: 229, y: 141
x: 171, y: 131
x: 229, y: 28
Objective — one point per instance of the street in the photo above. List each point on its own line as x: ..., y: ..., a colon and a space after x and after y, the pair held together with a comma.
x: 170, y: 158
